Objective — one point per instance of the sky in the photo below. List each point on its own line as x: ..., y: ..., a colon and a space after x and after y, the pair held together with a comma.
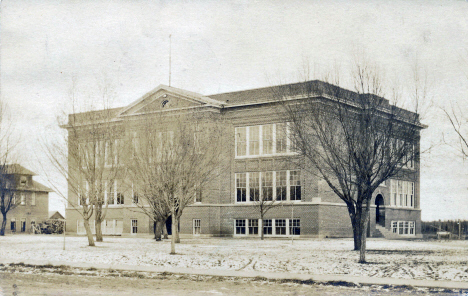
x: 53, y: 50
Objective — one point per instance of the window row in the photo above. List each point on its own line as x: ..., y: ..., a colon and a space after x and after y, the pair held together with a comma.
x: 280, y: 227
x: 279, y: 185
x: 24, y: 198
x: 22, y: 225
x: 402, y: 193
x: 113, y: 195
x: 102, y: 151
x: 108, y: 226
x: 265, y: 139
x: 403, y: 227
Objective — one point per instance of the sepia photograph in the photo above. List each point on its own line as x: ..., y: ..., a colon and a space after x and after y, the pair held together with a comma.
x: 236, y: 147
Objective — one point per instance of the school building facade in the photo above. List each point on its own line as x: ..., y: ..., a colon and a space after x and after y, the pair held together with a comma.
x: 259, y: 162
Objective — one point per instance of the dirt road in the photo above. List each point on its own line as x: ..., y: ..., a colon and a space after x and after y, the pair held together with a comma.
x: 56, y: 284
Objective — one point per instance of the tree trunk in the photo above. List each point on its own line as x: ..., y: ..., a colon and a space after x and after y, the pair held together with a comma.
x: 177, y: 237
x: 89, y: 233
x: 158, y: 230
x: 164, y: 230
x: 173, y: 236
x: 4, y: 221
x: 261, y: 227
x: 363, y: 232
x: 98, y: 229
x: 355, y: 225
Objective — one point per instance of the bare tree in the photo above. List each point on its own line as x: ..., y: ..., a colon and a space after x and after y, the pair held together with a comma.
x: 353, y: 141
x: 8, y: 183
x: 88, y: 158
x: 175, y: 156
x: 459, y: 122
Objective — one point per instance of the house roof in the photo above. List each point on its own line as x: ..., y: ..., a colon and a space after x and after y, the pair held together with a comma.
x: 39, y: 187
x: 17, y: 169
x: 55, y: 215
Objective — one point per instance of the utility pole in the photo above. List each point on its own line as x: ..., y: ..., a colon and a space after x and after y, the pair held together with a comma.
x: 170, y: 52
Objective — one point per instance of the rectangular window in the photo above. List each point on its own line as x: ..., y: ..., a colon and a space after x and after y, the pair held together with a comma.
x: 241, y: 141
x: 267, y: 138
x: 267, y: 227
x: 281, y: 138
x: 240, y: 226
x: 196, y: 226
x: 405, y: 227
x: 33, y: 198
x: 394, y: 227
x: 411, y: 227
x: 295, y: 227
x: 400, y: 227
x: 253, y: 226
x: 197, y: 195
x: 13, y: 225
x: 254, y: 186
x: 295, y: 185
x: 135, y: 145
x: 109, y: 152
x: 120, y: 198
x: 394, y: 192
x: 400, y: 193
x: 111, y: 192
x: 280, y: 226
x: 412, y: 195
x: 254, y: 140
x: 134, y: 194
x: 134, y: 226
x: 241, y: 187
x: 23, y: 224
x: 24, y: 180
x: 23, y: 199
x: 281, y: 185
x: 267, y: 185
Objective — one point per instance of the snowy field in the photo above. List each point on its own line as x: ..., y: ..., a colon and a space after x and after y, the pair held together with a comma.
x: 436, y: 260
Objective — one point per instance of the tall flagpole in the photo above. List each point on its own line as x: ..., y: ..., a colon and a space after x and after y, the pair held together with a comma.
x: 170, y: 52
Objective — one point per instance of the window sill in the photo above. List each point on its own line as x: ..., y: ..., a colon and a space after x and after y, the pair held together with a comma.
x: 267, y: 155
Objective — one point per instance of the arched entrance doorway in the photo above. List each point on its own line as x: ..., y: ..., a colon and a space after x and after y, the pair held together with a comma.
x: 380, y: 210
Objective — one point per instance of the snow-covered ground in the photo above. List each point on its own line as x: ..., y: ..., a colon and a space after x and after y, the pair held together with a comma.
x: 437, y: 260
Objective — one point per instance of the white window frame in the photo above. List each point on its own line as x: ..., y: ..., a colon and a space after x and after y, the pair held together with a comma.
x: 22, y: 198
x: 402, y: 194
x: 246, y: 224
x: 248, y: 183
x: 135, y: 193
x: 133, y: 226
x: 196, y: 227
x: 261, y: 153
x: 403, y: 228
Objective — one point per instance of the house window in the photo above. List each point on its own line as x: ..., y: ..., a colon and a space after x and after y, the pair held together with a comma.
x: 241, y: 187
x: 254, y: 186
x: 295, y: 227
x: 394, y: 227
x: 23, y: 199
x: 13, y: 225
x: 281, y: 185
x: 253, y: 226
x: 83, y: 193
x: 267, y: 185
x: 33, y: 198
x: 23, y: 181
x: 241, y: 141
x: 267, y: 138
x: 280, y: 226
x: 196, y: 226
x: 23, y: 224
x: 267, y: 227
x: 134, y: 223
x: 240, y: 226
x: 295, y: 185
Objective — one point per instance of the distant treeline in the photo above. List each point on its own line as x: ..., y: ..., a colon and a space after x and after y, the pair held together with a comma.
x: 455, y: 227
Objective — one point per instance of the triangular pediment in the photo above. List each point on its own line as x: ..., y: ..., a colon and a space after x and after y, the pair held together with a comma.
x: 167, y: 98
